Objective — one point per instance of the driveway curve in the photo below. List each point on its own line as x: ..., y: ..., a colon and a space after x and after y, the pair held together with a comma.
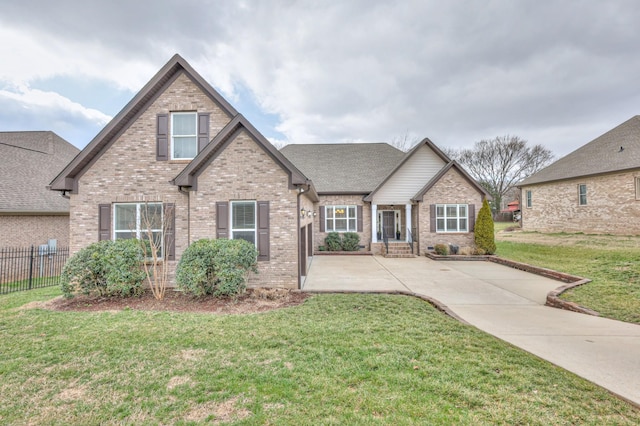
x: 502, y: 301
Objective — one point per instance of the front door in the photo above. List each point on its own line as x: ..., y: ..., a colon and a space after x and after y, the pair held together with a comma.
x: 388, y: 224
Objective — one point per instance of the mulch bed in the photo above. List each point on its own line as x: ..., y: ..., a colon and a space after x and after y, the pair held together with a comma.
x: 252, y: 301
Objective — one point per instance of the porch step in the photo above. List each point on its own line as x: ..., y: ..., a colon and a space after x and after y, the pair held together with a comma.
x: 399, y: 256
x: 399, y: 250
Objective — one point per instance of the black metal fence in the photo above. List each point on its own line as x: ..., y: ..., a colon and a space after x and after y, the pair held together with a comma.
x: 31, y: 267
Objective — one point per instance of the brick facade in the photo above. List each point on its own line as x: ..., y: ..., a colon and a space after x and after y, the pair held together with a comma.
x: 612, y: 207
x: 452, y: 188
x: 344, y: 200
x: 27, y: 230
x: 244, y: 171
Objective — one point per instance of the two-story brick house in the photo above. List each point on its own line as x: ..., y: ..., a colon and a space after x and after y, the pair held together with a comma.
x: 179, y: 147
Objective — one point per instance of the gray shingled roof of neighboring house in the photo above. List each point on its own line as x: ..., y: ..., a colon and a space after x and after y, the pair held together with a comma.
x: 616, y: 150
x: 28, y: 162
x: 344, y: 168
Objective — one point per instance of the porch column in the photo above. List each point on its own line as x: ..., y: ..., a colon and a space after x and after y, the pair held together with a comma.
x: 407, y: 220
x: 374, y: 220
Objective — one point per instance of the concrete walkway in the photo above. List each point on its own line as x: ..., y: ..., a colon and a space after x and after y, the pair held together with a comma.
x: 502, y: 301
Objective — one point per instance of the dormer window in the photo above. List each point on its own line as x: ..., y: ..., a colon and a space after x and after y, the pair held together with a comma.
x: 184, y: 135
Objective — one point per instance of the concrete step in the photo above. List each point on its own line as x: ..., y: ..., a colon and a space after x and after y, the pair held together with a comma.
x: 399, y: 256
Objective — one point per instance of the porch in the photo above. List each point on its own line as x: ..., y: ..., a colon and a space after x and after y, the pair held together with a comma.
x: 393, y: 223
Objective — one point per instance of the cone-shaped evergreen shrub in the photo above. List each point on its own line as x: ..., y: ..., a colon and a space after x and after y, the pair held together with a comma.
x: 484, y: 236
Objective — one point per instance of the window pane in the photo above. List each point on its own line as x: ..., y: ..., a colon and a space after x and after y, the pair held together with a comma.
x: 150, y: 216
x: 440, y: 211
x: 341, y: 225
x: 462, y: 210
x: 463, y: 225
x: 125, y: 217
x: 244, y: 215
x: 341, y: 212
x: 440, y: 225
x: 452, y: 211
x: 452, y: 224
x: 329, y: 212
x: 184, y: 124
x: 352, y: 225
x: 245, y: 235
x: 352, y: 212
x: 184, y: 147
x: 329, y: 225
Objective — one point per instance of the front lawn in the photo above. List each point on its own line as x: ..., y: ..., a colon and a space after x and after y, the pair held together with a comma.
x: 613, y: 263
x: 336, y: 359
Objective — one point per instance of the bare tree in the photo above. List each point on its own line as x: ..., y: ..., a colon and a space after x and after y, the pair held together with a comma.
x: 500, y: 163
x: 155, y: 223
x: 404, y: 143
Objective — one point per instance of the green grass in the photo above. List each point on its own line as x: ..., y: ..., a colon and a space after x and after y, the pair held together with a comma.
x: 37, y: 282
x: 337, y: 359
x: 615, y: 271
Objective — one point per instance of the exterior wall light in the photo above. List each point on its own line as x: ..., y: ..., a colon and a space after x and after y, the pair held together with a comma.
x: 302, y: 212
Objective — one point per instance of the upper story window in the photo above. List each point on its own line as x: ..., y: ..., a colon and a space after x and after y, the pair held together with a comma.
x: 582, y: 194
x: 184, y: 135
x: 528, y: 198
x: 452, y: 218
x: 341, y: 219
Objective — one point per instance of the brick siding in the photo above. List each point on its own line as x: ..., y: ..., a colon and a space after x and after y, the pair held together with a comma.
x: 27, y: 230
x: 343, y: 200
x: 611, y: 207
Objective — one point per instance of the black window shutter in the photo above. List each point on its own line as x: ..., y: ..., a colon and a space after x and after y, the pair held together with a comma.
x: 359, y: 215
x: 162, y: 137
x: 222, y: 219
x: 472, y: 217
x: 104, y: 222
x: 263, y: 231
x: 170, y: 231
x: 322, y: 209
x: 203, y: 130
x: 432, y: 218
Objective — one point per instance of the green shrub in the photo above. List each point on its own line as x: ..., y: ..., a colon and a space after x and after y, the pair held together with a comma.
x: 218, y: 267
x: 484, y: 233
x: 441, y: 249
x: 350, y: 241
x: 106, y: 268
x: 333, y: 241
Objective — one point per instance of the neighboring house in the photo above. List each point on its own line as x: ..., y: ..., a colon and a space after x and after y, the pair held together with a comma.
x: 180, y: 148
x: 595, y: 189
x: 29, y: 213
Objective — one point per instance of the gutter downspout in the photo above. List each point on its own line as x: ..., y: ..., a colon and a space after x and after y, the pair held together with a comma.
x: 300, y: 191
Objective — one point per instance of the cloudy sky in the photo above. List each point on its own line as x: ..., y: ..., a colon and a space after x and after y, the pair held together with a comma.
x: 556, y: 73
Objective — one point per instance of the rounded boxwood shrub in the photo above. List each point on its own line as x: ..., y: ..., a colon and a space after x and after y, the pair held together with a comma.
x: 105, y: 268
x: 218, y: 267
x: 333, y: 242
x: 350, y: 241
x: 484, y: 232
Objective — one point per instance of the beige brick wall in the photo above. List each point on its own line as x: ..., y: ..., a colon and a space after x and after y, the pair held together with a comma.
x: 27, y: 230
x: 611, y: 207
x: 343, y: 200
x: 243, y: 171
x: 452, y: 188
x: 128, y: 171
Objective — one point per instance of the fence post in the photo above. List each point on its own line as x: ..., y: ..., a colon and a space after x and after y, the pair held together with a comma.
x: 31, y: 267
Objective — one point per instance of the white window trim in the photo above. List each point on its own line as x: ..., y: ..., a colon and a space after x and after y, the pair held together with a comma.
x: 138, y: 230
x: 580, y: 194
x: 528, y: 198
x: 232, y: 230
x: 327, y: 219
x: 457, y: 217
x: 195, y: 135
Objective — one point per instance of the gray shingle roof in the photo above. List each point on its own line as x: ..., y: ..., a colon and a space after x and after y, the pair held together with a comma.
x: 601, y: 155
x: 344, y: 168
x: 28, y: 162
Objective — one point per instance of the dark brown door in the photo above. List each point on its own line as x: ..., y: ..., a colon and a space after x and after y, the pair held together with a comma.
x: 388, y: 221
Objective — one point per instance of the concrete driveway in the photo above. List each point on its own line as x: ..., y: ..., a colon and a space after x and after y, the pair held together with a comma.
x: 502, y: 301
